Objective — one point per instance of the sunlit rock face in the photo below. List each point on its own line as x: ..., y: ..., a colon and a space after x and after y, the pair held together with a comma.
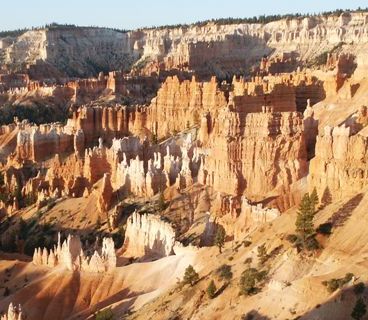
x: 340, y: 166
x: 13, y: 313
x: 148, y: 236
x: 209, y: 49
x: 70, y: 256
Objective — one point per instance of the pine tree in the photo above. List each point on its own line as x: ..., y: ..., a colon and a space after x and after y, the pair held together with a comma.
x: 314, y: 199
x: 190, y: 276
x: 262, y: 254
x: 304, y: 220
x: 247, y: 283
x: 211, y: 290
x: 161, y: 202
x: 359, y: 310
x: 220, y: 238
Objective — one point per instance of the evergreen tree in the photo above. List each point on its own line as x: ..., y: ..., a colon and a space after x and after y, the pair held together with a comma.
x: 190, y: 276
x: 314, y: 199
x: 247, y: 283
x: 359, y: 310
x: 161, y: 202
x: 225, y: 272
x: 220, y: 237
x: 262, y: 254
x: 304, y: 220
x: 211, y: 290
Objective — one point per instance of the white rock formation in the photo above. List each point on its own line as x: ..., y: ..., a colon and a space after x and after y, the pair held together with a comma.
x: 70, y: 256
x: 14, y: 313
x: 148, y: 236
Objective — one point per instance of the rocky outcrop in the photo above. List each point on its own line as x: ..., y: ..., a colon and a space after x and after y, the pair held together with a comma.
x: 341, y: 163
x: 207, y: 49
x: 104, y: 199
x: 183, y: 104
x: 240, y: 219
x: 70, y: 255
x: 86, y: 48
x: 148, y: 235
x: 14, y: 313
x: 258, y: 157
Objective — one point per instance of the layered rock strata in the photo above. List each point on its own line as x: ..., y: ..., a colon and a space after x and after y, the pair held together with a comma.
x: 259, y: 157
x: 341, y: 163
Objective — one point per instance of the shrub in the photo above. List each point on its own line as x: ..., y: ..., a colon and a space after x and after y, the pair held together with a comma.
x: 211, y: 290
x: 247, y: 284
x: 220, y: 238
x: 292, y: 238
x: 6, y: 292
x: 262, y: 254
x: 190, y: 276
x: 161, y: 202
x: 105, y: 314
x: 359, y: 288
x: 324, y: 228
x: 359, y: 310
x: 334, y: 284
x: 312, y: 244
x: 247, y: 243
x: 225, y: 272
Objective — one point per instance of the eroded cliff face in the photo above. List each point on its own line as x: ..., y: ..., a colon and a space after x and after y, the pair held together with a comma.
x: 340, y: 166
x: 260, y: 157
x: 73, y: 51
x: 147, y: 236
x: 206, y: 50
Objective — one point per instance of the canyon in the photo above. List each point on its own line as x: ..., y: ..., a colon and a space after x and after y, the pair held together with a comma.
x: 124, y: 155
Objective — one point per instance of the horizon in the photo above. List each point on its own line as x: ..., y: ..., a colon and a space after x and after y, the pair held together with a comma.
x: 125, y: 18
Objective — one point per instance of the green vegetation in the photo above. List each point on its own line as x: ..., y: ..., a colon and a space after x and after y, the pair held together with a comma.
x: 161, y: 202
x: 26, y: 235
x: 321, y: 59
x: 211, y: 290
x: 314, y: 199
x: 37, y: 113
x: 220, y: 238
x: 359, y: 310
x: 190, y: 276
x: 304, y: 225
x: 262, y: 19
x: 224, y: 272
x: 334, y: 284
x: 324, y: 228
x: 359, y: 288
x: 105, y: 314
x: 262, y: 254
x: 249, y: 280
x: 51, y: 26
x: 304, y: 221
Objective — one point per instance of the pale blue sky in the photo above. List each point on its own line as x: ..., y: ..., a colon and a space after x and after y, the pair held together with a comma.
x: 138, y: 13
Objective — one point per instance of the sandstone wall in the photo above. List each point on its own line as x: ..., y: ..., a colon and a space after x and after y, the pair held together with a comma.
x: 257, y: 157
x: 340, y: 165
x: 148, y: 236
x: 208, y: 49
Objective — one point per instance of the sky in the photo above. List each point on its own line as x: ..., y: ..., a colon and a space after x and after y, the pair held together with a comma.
x: 133, y: 14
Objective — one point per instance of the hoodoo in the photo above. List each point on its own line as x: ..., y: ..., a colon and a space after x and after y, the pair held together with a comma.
x: 215, y: 170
